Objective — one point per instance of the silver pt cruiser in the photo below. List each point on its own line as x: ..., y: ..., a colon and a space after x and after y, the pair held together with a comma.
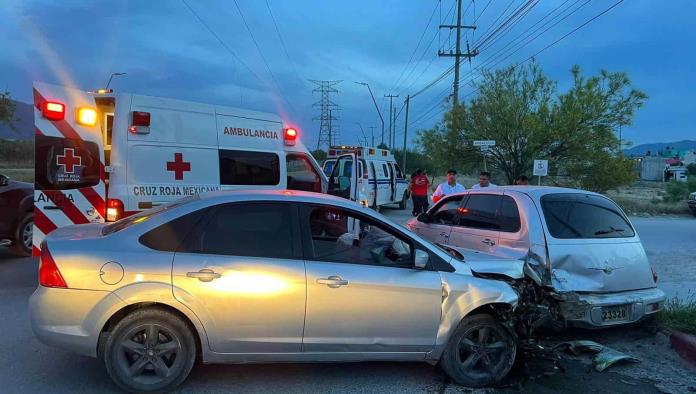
x: 269, y: 276
x: 588, y: 257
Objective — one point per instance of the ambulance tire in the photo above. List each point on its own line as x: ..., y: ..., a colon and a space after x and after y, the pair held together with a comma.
x: 22, y: 243
x: 404, y: 201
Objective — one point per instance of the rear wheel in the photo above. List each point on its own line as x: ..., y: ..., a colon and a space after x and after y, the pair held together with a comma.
x: 22, y: 243
x: 150, y: 351
x: 404, y: 201
x: 480, y: 353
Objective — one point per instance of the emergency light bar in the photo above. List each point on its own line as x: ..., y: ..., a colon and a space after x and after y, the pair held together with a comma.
x: 53, y: 110
x: 290, y: 136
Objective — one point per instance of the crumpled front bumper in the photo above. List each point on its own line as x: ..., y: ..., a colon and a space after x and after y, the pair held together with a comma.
x: 585, y: 310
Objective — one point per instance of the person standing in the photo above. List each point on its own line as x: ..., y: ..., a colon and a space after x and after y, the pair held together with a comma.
x: 419, y: 192
x: 450, y: 186
x: 522, y: 180
x: 484, y: 180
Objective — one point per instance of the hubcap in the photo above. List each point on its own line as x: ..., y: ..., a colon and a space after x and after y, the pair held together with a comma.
x: 27, y: 235
x: 149, y: 354
x: 483, y: 351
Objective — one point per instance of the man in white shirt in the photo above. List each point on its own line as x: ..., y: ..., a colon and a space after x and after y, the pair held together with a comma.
x: 484, y: 180
x: 448, y: 187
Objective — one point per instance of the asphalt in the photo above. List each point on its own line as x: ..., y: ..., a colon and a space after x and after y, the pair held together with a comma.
x: 27, y: 366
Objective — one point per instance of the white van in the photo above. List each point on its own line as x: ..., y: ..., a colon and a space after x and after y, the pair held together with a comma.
x: 380, y: 181
x: 100, y: 157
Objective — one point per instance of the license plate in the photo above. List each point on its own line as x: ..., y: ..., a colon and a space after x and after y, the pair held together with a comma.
x: 611, y: 313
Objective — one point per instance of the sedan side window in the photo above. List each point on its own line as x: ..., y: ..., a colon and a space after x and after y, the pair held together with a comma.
x: 341, y: 236
x: 481, y: 212
x: 446, y: 212
x: 253, y: 230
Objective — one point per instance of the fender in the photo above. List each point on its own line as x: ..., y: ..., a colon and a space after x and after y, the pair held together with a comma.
x: 463, y: 294
x: 27, y: 203
x: 161, y: 293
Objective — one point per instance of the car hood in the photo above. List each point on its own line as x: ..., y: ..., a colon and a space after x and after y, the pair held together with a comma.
x: 484, y: 263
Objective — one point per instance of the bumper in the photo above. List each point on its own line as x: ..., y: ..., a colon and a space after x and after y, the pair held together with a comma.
x: 585, y: 310
x: 70, y: 319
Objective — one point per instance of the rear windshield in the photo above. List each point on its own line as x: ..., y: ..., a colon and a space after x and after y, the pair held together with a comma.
x: 145, y: 215
x: 65, y: 163
x: 576, y: 215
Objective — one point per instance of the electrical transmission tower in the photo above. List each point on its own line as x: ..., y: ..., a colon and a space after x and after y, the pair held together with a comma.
x: 328, y: 133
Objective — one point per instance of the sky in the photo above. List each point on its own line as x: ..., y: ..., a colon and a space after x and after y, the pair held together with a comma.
x: 201, y: 50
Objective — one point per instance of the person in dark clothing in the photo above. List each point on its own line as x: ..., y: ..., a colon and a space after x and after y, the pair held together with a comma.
x: 522, y: 180
x: 419, y: 192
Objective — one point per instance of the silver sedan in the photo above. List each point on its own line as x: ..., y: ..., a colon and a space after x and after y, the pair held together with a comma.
x: 269, y: 276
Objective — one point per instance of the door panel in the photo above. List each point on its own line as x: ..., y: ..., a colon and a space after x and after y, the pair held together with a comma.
x: 478, y: 224
x: 442, y: 216
x: 343, y: 181
x: 379, y: 309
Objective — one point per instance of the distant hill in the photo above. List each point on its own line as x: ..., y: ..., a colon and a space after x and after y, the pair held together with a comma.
x: 657, y: 146
x: 24, y: 123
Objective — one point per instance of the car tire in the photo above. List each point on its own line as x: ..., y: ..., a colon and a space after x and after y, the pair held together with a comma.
x: 22, y: 242
x: 480, y: 353
x: 137, y: 363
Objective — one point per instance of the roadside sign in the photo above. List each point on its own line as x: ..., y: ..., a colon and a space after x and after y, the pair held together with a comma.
x: 484, y: 143
x: 541, y: 167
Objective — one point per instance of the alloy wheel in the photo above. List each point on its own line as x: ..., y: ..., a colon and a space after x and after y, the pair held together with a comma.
x: 483, y: 351
x: 149, y: 354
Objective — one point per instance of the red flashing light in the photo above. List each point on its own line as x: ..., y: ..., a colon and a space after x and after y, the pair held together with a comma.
x: 114, y: 210
x: 290, y: 136
x: 49, y: 274
x: 140, y: 118
x: 53, y: 110
x: 133, y: 129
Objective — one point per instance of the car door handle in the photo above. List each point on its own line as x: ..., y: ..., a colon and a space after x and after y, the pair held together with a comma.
x: 444, y: 235
x: 488, y: 241
x: 204, y: 275
x: 332, y: 281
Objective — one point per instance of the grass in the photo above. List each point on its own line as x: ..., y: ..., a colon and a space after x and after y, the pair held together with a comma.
x: 680, y: 314
x: 652, y: 207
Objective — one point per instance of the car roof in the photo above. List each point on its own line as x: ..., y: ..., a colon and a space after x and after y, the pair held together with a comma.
x: 535, y: 192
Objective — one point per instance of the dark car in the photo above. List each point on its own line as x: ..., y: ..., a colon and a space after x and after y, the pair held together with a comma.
x: 16, y: 215
x: 692, y: 203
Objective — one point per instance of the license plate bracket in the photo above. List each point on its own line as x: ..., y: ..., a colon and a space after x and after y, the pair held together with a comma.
x: 615, y: 313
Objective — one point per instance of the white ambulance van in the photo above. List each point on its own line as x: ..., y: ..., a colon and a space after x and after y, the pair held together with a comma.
x: 100, y: 157
x: 380, y: 180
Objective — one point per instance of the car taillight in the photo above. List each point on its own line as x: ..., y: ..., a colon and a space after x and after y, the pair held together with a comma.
x: 290, y: 136
x: 114, y: 210
x: 49, y: 274
x: 654, y: 274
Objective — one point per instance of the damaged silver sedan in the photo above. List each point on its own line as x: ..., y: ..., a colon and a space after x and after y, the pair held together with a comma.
x: 268, y: 276
x: 591, y: 269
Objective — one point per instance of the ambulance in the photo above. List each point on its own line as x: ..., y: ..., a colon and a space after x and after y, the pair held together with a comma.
x: 101, y: 156
x: 379, y: 180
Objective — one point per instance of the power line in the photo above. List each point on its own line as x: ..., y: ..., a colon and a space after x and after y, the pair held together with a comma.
x: 282, y: 41
x: 258, y: 49
x: 521, y: 10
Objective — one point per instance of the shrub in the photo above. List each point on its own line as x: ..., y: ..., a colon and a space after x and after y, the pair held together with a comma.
x: 676, y: 191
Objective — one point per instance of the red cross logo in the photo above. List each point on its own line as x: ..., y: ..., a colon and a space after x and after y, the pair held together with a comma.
x: 178, y: 166
x: 68, y: 160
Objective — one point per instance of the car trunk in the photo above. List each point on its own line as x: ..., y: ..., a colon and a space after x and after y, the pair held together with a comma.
x: 601, y: 266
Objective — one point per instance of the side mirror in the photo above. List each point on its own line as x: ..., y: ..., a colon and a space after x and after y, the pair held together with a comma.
x: 423, y: 217
x: 421, y: 259
x: 4, y: 180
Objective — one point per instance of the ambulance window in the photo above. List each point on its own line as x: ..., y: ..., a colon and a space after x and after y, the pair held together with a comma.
x: 248, y: 168
x: 253, y: 230
x: 399, y: 174
x: 385, y: 171
x: 301, y: 174
x: 65, y: 163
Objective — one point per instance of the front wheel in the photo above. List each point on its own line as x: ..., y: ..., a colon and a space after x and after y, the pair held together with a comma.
x: 23, y: 242
x: 150, y: 351
x: 480, y: 353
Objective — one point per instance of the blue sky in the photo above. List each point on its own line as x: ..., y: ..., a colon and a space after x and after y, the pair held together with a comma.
x: 166, y: 51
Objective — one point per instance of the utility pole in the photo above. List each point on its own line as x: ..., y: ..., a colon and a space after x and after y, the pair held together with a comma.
x: 372, y: 132
x: 327, y: 134
x: 457, y: 55
x: 403, y: 159
x: 391, y: 114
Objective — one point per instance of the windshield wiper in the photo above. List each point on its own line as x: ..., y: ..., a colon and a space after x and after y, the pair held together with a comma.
x: 611, y: 230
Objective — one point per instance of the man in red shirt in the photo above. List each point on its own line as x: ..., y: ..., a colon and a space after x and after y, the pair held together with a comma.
x: 419, y: 192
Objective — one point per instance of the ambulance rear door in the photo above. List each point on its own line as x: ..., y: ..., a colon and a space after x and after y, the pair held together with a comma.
x: 69, y: 160
x: 343, y: 181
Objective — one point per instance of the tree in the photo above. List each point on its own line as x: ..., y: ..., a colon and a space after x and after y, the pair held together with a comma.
x: 414, y: 160
x: 7, y: 109
x: 319, y: 155
x: 522, y: 110
x: 691, y: 168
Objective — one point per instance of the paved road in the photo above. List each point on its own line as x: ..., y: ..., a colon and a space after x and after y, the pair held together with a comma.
x: 26, y: 366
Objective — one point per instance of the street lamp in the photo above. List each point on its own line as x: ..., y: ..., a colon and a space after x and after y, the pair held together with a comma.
x: 362, y: 131
x: 111, y: 77
x: 376, y: 106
